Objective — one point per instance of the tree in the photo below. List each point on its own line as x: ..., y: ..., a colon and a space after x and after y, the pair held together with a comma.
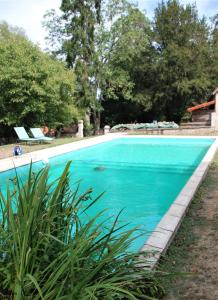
x: 35, y: 88
x: 183, y: 51
x: 75, y: 30
x: 213, y: 62
x: 102, y: 46
x: 129, y: 67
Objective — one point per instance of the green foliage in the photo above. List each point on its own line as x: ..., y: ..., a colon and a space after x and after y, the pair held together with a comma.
x: 213, y: 59
x: 35, y: 88
x: 88, y: 129
x: 129, y: 59
x: 183, y: 52
x: 75, y: 31
x: 51, y: 249
x: 103, y: 51
x: 142, y: 70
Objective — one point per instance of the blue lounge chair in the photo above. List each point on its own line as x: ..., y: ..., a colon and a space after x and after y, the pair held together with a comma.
x: 38, y: 134
x: 23, y: 136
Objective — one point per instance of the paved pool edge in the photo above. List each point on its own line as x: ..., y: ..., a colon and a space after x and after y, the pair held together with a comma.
x: 163, y: 234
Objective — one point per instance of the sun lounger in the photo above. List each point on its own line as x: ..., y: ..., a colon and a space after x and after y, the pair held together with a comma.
x: 23, y: 136
x: 38, y: 134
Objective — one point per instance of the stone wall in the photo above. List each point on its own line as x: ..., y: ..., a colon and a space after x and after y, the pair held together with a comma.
x: 201, y: 116
x: 179, y: 131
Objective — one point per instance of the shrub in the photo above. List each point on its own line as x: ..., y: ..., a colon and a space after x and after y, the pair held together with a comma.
x: 50, y: 250
x: 36, y: 89
x: 88, y: 129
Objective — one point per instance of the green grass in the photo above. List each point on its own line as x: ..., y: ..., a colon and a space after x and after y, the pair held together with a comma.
x: 7, y: 150
x: 179, y: 257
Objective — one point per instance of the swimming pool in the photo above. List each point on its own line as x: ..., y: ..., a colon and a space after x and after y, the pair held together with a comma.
x: 141, y: 175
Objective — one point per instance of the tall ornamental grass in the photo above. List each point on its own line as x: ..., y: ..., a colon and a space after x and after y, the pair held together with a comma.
x: 50, y: 248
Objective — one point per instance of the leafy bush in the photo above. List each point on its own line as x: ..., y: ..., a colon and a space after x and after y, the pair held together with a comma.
x: 88, y: 129
x: 36, y: 89
x: 49, y: 250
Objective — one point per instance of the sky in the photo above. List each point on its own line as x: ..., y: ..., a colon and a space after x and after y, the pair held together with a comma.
x: 28, y: 14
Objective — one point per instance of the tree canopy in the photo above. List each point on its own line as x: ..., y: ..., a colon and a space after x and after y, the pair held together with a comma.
x: 133, y: 68
x: 117, y: 65
x: 127, y: 93
x: 183, y: 50
x: 36, y: 89
x: 76, y: 29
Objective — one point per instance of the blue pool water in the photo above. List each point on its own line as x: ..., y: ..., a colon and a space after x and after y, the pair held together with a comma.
x: 143, y: 176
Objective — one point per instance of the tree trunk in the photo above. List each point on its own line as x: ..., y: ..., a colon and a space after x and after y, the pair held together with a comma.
x: 97, y: 121
x: 87, y: 116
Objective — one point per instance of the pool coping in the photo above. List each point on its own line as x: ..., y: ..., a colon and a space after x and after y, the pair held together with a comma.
x: 161, y: 237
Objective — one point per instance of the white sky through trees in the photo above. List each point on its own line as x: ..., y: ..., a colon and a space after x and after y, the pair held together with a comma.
x: 28, y: 14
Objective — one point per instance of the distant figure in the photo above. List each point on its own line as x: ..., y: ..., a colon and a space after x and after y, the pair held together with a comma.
x: 99, y: 168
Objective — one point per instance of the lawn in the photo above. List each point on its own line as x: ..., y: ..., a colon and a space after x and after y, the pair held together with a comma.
x: 7, y: 150
x: 195, y: 247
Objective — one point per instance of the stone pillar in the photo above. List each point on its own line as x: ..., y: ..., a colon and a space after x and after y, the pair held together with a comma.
x: 216, y: 103
x: 106, y: 129
x: 79, y: 133
x: 213, y: 119
x: 214, y: 115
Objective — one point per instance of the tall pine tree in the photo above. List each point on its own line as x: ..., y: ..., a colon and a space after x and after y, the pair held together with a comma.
x: 183, y: 49
x: 213, y: 62
x: 75, y: 32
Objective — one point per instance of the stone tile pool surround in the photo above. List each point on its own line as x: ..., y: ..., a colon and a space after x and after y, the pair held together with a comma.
x: 161, y: 237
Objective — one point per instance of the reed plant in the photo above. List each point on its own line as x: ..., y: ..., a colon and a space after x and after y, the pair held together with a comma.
x: 51, y: 249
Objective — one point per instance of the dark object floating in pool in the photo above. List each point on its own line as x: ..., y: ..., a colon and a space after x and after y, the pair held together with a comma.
x: 14, y: 179
x: 99, y: 168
